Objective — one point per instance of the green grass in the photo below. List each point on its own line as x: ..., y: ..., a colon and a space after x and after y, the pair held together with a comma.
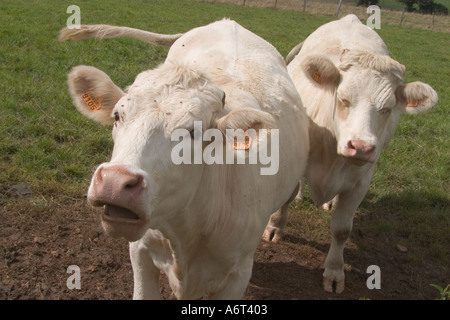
x: 413, y: 174
x: 43, y: 138
x: 47, y: 143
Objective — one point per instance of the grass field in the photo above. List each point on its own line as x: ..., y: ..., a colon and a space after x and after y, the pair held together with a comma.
x: 45, y: 142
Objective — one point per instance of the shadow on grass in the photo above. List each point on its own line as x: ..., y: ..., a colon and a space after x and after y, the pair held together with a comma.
x: 406, y: 201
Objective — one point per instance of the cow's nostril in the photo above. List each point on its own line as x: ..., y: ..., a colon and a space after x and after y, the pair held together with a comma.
x: 134, y: 182
x: 350, y: 145
x: 130, y: 185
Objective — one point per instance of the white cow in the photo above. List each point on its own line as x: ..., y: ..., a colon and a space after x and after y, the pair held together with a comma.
x: 354, y: 95
x: 198, y: 223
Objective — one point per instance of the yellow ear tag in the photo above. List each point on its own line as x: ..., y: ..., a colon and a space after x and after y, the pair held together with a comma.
x: 239, y: 145
x: 92, y: 103
x: 317, y: 77
x: 413, y: 104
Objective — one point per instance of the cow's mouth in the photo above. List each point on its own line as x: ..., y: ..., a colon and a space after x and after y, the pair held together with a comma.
x: 118, y: 214
x: 357, y: 161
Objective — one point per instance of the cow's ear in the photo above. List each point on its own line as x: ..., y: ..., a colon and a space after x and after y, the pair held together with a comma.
x: 416, y: 97
x: 245, y: 125
x: 246, y: 119
x: 93, y: 93
x: 322, y: 71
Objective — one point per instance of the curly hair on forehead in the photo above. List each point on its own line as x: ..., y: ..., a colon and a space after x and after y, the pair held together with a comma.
x: 378, y: 62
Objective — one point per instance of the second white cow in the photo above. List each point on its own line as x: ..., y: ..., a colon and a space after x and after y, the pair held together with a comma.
x: 199, y: 223
x: 354, y: 94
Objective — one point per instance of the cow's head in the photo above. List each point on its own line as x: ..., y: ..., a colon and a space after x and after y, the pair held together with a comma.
x: 369, y: 97
x: 141, y: 186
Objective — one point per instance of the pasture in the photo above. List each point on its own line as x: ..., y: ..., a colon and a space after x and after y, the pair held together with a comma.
x: 403, y: 225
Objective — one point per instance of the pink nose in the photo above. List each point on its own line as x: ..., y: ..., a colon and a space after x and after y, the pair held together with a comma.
x: 359, y: 149
x: 116, y: 185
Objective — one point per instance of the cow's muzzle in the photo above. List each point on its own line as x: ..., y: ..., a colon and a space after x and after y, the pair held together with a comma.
x: 120, y: 191
x: 359, y: 150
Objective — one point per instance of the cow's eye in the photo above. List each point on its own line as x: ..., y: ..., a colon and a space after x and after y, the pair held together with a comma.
x: 344, y: 102
x: 385, y: 111
x: 116, y: 116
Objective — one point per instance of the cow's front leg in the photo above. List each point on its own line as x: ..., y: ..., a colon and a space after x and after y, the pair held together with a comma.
x: 275, y: 228
x: 145, y: 274
x: 236, y: 283
x: 341, y: 227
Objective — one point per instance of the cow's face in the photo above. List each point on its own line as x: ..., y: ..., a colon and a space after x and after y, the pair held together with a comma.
x: 369, y: 96
x: 141, y: 186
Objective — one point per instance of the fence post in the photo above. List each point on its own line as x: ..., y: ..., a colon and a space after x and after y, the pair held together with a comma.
x: 338, y: 8
x: 304, y: 5
x: 403, y: 14
x: 432, y: 25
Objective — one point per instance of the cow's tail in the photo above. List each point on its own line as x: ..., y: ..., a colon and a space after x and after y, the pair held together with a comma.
x: 294, y: 52
x: 103, y: 31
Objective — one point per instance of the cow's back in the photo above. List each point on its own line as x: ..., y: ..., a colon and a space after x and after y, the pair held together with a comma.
x: 238, y: 60
x: 223, y: 47
x: 347, y: 33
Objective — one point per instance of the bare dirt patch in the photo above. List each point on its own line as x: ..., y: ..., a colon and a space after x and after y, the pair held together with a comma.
x: 40, y: 238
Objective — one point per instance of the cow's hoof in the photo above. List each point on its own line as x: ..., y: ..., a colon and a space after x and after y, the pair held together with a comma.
x: 330, y: 204
x: 328, y: 285
x: 340, y: 286
x: 326, y: 206
x: 272, y: 235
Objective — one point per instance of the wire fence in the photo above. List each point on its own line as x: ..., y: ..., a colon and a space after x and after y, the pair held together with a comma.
x: 340, y: 8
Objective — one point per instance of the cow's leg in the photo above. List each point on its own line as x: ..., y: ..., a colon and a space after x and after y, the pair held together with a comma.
x: 341, y: 226
x: 275, y: 228
x: 301, y: 191
x: 236, y: 282
x: 145, y: 274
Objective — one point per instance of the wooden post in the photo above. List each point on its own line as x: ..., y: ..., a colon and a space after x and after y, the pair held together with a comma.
x: 304, y: 5
x: 338, y: 8
x: 403, y: 14
x: 432, y: 25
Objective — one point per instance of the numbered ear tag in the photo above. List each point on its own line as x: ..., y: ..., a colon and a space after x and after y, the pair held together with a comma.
x: 317, y: 77
x: 93, y: 103
x: 240, y: 145
x: 413, y: 104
